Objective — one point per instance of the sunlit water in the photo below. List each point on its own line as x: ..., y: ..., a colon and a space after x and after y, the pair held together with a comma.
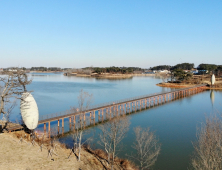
x: 174, y: 123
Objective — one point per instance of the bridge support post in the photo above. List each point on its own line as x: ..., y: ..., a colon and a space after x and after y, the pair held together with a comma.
x: 90, y: 117
x: 132, y: 106
x: 74, y: 122
x: 70, y: 123
x: 106, y: 113
x: 102, y: 114
x: 129, y: 107
x: 45, y: 128
x: 62, y: 126
x: 49, y: 130
x: 98, y: 115
x: 58, y: 126
x: 120, y: 109
x: 135, y: 106
x: 84, y: 119
x: 94, y: 117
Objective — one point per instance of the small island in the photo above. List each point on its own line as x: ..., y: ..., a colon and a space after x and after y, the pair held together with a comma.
x: 108, y: 72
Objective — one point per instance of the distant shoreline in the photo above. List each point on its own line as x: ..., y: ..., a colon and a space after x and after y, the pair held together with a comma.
x: 46, y: 72
x: 109, y: 76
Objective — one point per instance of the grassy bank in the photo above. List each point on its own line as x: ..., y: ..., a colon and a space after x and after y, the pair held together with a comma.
x: 19, y: 153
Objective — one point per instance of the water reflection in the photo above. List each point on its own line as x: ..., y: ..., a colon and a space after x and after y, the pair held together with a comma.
x: 212, y: 97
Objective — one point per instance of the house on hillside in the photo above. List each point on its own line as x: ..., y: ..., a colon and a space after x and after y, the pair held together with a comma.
x: 164, y: 71
x: 1, y: 69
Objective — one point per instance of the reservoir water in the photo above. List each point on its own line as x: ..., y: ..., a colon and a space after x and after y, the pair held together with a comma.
x: 174, y: 123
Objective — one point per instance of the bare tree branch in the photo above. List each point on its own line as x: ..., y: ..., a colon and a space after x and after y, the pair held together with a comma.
x: 146, y: 148
x: 84, y: 101
x: 12, y: 85
x: 208, y: 148
x: 112, y: 134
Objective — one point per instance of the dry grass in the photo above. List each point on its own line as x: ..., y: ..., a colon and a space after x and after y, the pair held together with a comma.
x: 21, y: 154
x: 119, y: 163
x: 197, y: 79
x: 8, y: 125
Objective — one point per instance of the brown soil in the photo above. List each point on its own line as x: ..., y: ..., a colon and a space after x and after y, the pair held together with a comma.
x: 23, y: 156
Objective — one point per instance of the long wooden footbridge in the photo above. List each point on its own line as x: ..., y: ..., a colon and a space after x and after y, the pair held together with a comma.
x: 106, y: 111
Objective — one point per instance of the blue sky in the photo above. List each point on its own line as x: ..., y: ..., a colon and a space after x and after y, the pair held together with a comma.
x: 85, y: 33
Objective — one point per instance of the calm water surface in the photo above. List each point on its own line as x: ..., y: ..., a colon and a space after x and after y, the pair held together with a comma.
x: 174, y: 123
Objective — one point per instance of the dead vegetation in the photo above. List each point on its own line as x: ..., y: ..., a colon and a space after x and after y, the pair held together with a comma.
x: 146, y: 146
x: 21, y: 152
x: 208, y: 148
x: 112, y: 133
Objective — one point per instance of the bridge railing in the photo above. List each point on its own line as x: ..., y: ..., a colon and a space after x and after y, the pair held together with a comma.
x: 108, y: 104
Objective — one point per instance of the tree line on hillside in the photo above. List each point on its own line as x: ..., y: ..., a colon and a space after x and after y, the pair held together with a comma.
x: 184, y: 66
x: 45, y: 69
x: 34, y: 68
x: 217, y: 69
x: 122, y: 70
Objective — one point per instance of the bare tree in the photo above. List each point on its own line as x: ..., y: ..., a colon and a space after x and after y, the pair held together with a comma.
x: 164, y: 77
x: 112, y: 134
x: 12, y: 85
x: 208, y: 148
x: 146, y: 148
x: 84, y: 101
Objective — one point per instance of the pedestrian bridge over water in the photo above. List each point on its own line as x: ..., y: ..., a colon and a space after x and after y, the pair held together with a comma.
x: 104, y: 112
